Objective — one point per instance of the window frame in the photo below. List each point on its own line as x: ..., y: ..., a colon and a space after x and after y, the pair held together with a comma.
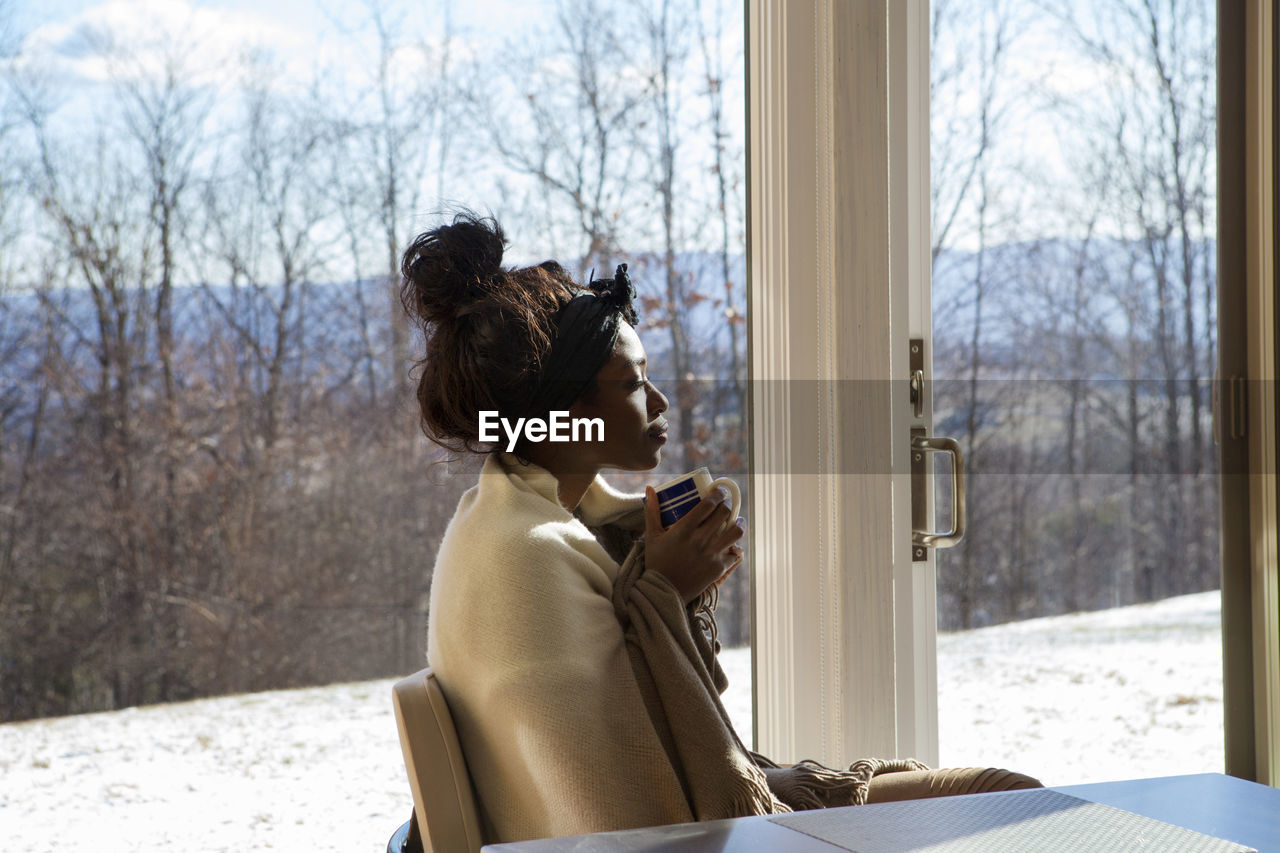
x: 812, y: 669
x: 838, y: 239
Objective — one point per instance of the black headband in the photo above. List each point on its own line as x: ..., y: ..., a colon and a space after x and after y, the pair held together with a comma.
x: 586, y: 331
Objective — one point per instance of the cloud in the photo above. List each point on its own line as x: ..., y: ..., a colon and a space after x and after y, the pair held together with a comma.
x: 143, y: 38
x: 286, y: 45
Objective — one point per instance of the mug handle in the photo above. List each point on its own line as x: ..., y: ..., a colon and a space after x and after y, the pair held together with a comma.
x: 734, y: 493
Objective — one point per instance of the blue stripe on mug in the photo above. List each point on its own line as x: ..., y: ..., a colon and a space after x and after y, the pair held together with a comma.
x: 677, y: 490
x: 673, y: 511
x: 667, y: 500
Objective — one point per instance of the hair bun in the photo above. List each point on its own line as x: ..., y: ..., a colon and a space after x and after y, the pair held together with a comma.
x: 487, y: 330
x: 448, y: 268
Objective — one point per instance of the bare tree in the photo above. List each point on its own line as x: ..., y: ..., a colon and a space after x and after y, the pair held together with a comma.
x: 966, y: 198
x: 726, y: 180
x: 406, y: 137
x: 1159, y: 115
x: 662, y: 63
x: 966, y: 110
x: 23, y: 398
x: 163, y: 117
x: 399, y: 125
x: 97, y: 240
x: 561, y: 117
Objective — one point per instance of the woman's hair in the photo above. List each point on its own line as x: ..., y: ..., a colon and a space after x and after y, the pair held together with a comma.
x: 487, y: 328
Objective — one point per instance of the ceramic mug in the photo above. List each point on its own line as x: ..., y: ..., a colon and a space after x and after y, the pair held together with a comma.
x: 676, y: 497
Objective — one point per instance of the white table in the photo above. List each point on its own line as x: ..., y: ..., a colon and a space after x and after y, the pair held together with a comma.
x: 1210, y: 803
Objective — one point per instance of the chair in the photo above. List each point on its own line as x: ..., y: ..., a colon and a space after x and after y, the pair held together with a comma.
x: 405, y: 839
x: 443, y: 801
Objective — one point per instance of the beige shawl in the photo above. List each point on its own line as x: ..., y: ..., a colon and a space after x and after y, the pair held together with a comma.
x: 586, y: 696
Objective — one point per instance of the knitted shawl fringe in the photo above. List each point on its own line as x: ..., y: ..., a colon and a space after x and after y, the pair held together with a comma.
x: 809, y: 785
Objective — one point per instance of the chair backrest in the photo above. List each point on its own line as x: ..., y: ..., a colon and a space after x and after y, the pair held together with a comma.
x: 442, y: 796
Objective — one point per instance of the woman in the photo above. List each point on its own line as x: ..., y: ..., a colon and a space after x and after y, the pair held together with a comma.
x: 566, y: 625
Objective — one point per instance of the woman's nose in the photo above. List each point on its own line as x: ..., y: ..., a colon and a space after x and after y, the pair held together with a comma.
x: 657, y: 400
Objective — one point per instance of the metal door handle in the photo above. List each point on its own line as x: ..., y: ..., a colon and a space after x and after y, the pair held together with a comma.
x: 921, y: 444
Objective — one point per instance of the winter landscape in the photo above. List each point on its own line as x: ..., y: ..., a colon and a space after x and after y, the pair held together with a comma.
x: 211, y: 483
x: 1124, y: 693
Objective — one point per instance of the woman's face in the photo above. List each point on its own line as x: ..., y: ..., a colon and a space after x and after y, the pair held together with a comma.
x: 631, y: 408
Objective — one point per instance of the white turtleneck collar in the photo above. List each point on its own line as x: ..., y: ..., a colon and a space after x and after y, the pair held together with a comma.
x: 601, y: 504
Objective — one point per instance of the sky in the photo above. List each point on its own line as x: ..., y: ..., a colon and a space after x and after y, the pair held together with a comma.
x: 499, y: 17
x: 297, y: 31
x: 298, y: 36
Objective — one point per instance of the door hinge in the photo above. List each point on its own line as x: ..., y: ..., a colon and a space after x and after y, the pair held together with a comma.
x: 916, y: 367
x: 1236, y: 415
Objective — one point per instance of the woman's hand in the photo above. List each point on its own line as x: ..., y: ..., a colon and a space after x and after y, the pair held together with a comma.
x: 698, y: 550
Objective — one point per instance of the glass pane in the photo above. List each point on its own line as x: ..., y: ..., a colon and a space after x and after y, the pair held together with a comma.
x: 211, y: 476
x: 1073, y: 158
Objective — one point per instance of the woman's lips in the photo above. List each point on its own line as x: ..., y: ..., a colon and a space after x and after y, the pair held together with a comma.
x: 658, y: 432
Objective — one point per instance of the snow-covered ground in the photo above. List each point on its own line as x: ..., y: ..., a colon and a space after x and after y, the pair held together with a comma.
x: 1119, y: 694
